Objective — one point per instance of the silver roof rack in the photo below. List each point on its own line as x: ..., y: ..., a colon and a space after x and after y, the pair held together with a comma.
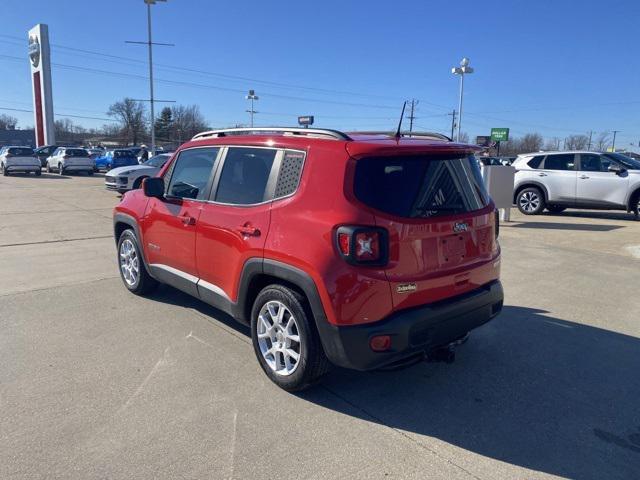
x: 292, y: 131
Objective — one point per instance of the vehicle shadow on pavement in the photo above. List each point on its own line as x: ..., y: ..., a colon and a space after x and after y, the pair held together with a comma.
x: 602, y: 215
x: 527, y: 389
x: 585, y: 227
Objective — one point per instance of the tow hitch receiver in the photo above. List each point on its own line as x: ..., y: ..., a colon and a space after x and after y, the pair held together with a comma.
x: 445, y: 354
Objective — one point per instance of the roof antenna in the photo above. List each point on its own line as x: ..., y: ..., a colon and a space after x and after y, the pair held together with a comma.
x: 398, y: 134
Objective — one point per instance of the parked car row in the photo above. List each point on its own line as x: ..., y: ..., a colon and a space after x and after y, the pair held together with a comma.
x: 68, y: 159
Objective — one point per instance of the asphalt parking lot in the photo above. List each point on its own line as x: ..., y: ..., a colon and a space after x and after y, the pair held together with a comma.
x: 98, y: 383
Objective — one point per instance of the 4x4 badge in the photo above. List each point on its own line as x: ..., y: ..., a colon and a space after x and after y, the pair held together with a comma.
x: 460, y: 227
x: 406, y: 288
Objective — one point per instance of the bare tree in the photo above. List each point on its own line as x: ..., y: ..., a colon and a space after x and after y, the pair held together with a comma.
x: 577, y: 142
x: 131, y: 115
x: 531, y: 142
x: 7, y: 122
x: 602, y: 141
x: 464, y: 137
x: 186, y: 122
x: 552, y: 144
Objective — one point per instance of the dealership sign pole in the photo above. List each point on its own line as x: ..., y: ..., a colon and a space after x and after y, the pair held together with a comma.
x: 40, y: 59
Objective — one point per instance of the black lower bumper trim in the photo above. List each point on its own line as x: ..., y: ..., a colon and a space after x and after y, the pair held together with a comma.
x: 413, y: 330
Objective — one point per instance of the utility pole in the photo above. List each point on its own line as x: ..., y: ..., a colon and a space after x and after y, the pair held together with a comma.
x: 453, y: 122
x: 412, y: 117
x: 150, y: 44
x: 613, y: 147
x: 590, y: 136
x: 252, y: 96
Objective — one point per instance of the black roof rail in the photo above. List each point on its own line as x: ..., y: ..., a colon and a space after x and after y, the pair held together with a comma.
x: 292, y: 131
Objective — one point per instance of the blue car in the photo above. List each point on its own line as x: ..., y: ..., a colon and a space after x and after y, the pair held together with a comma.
x: 121, y: 157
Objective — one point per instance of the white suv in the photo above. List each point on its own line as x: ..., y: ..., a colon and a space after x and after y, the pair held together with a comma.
x: 589, y: 180
x: 70, y: 159
x: 18, y: 159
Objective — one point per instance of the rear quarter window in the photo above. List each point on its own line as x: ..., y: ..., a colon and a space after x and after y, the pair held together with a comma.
x: 77, y: 152
x: 420, y: 186
x: 535, y: 161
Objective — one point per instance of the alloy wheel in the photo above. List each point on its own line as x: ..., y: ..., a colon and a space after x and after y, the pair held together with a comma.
x: 529, y: 201
x: 279, y: 338
x: 129, y: 264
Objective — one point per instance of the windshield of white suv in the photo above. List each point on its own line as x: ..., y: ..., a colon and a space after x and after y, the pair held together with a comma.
x: 628, y: 162
x: 157, y: 161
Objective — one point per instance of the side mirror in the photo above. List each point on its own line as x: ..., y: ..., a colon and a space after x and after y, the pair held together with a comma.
x: 153, y: 187
x: 617, y: 169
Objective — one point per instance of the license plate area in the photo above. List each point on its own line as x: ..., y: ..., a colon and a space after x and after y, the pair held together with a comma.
x: 453, y: 249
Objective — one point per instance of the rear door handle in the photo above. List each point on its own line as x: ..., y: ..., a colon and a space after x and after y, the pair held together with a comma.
x: 541, y: 174
x: 249, y: 230
x: 583, y: 177
x: 187, y: 220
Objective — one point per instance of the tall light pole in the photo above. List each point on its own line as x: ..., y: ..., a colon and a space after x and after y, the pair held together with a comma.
x: 462, y: 70
x: 252, y: 96
x: 150, y: 44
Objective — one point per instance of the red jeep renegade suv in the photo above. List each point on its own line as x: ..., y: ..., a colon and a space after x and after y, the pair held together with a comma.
x: 360, y: 250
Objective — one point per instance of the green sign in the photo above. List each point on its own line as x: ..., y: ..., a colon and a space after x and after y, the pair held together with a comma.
x: 499, y: 134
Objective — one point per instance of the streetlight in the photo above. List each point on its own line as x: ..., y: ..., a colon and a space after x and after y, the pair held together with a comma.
x: 462, y: 70
x: 251, y: 96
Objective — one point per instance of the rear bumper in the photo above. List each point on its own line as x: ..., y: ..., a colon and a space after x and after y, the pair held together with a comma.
x: 78, y: 168
x: 413, y: 331
x: 23, y: 168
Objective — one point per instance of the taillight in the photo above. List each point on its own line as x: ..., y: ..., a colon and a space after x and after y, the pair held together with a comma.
x: 65, y: 156
x: 363, y: 245
x: 497, y: 215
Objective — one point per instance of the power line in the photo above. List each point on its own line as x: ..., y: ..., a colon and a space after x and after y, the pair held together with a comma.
x: 62, y: 115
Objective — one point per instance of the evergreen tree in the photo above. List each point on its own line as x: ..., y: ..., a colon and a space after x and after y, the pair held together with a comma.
x: 164, y: 125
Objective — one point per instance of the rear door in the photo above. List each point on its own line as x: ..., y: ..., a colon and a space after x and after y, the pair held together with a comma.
x: 233, y: 226
x: 597, y: 186
x: 169, y: 225
x: 559, y: 176
x: 440, y: 220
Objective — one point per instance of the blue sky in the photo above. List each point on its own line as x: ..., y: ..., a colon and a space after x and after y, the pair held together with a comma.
x: 553, y: 67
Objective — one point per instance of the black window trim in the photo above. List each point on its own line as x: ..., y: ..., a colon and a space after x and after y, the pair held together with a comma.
x: 575, y: 162
x: 207, y: 187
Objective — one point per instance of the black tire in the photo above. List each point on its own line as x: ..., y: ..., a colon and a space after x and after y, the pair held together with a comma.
x: 38, y: 173
x: 138, y: 183
x: 312, y: 363
x: 5, y: 172
x: 61, y: 169
x: 48, y: 168
x: 556, y: 208
x: 90, y: 172
x: 530, y: 201
x: 144, y: 283
x: 635, y: 205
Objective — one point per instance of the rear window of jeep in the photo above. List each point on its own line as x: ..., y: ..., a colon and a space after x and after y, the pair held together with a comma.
x: 420, y: 186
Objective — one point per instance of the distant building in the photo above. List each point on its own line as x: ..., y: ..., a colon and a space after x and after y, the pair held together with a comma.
x: 18, y: 137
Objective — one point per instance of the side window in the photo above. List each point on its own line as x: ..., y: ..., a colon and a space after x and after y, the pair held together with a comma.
x: 190, y: 173
x: 289, y: 174
x: 565, y: 161
x: 590, y: 163
x: 245, y: 175
x: 535, y: 161
x: 605, y: 163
